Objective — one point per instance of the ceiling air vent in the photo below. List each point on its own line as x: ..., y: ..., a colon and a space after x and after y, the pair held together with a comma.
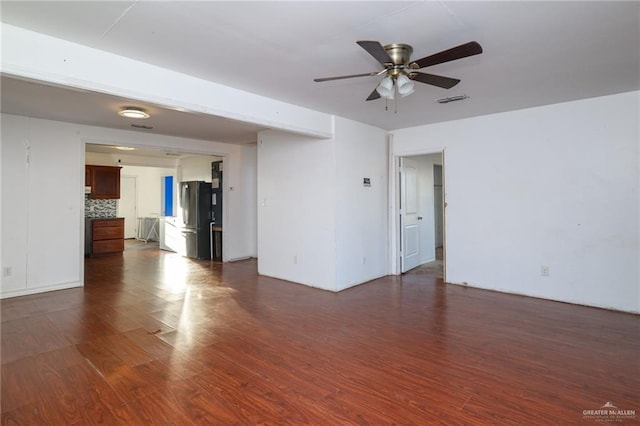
x: 452, y: 99
x: 141, y: 126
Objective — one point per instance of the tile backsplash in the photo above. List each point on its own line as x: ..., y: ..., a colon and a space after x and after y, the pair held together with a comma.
x: 99, y: 208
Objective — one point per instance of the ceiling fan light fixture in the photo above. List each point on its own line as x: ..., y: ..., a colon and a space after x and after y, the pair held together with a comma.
x: 133, y: 112
x: 385, y: 88
x: 408, y: 92
x: 405, y: 85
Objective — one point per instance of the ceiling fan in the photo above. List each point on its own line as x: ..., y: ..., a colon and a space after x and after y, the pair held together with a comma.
x: 400, y: 71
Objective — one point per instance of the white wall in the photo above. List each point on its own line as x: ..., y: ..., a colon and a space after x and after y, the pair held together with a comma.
x: 247, y: 191
x: 43, y: 200
x: 42, y: 205
x: 196, y: 168
x: 554, y: 186
x: 149, y: 185
x: 316, y: 221
x: 103, y: 159
x: 296, y: 209
x: 361, y: 212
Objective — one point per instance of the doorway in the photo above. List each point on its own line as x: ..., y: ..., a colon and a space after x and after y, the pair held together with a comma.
x: 128, y: 205
x: 420, y: 213
x: 438, y: 207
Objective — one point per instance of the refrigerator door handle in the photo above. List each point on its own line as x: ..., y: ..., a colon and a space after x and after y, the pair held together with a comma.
x: 185, y: 202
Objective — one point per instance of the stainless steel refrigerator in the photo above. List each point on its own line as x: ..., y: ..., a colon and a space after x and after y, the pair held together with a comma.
x: 195, y: 201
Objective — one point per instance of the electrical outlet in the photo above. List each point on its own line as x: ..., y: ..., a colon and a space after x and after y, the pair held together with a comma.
x: 364, y: 260
x: 544, y: 271
x: 6, y: 271
x: 295, y: 260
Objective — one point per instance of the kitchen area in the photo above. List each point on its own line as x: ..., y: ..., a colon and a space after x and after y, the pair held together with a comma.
x: 103, y: 231
x: 175, y: 208
x: 196, y: 231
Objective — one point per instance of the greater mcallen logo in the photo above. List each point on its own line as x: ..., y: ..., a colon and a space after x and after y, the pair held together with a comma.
x: 609, y: 413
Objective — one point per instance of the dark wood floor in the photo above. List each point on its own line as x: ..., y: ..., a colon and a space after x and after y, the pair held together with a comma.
x: 154, y: 338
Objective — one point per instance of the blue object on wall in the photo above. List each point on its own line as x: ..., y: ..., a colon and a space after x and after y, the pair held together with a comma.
x: 167, y: 196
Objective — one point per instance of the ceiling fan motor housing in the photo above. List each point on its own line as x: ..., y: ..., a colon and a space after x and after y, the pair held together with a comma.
x: 400, y: 54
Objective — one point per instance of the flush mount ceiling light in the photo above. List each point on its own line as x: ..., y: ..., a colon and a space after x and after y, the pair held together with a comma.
x: 133, y: 112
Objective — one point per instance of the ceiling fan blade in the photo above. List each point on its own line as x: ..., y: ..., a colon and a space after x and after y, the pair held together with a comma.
x: 376, y: 50
x: 435, y: 80
x: 319, y: 80
x: 458, y: 52
x: 374, y: 95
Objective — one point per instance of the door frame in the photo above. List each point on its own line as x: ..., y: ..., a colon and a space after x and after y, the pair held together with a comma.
x: 395, y: 265
x: 225, y: 206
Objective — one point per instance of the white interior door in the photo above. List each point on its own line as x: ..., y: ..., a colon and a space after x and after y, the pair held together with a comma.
x: 128, y: 205
x: 409, y: 225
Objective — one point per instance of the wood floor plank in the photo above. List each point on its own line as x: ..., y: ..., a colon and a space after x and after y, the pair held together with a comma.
x: 79, y: 325
x: 99, y: 401
x: 156, y: 409
x: 99, y: 356
x: 61, y: 358
x: 20, y: 384
x: 130, y: 353
x: 15, y: 346
x: 181, y: 365
x: 200, y: 407
x: 60, y: 404
x: 149, y: 342
x: 155, y: 338
x: 29, y: 414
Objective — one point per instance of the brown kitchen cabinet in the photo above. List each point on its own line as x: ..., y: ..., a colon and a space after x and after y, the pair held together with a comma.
x: 104, y: 181
x: 107, y: 236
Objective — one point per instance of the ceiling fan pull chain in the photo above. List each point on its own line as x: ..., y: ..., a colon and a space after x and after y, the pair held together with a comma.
x: 395, y: 98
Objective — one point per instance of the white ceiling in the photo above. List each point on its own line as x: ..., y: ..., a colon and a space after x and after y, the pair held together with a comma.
x: 56, y: 103
x: 535, y: 53
x: 142, y: 152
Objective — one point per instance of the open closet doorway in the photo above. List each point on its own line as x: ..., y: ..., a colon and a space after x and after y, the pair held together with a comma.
x: 421, y: 214
x: 438, y: 211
